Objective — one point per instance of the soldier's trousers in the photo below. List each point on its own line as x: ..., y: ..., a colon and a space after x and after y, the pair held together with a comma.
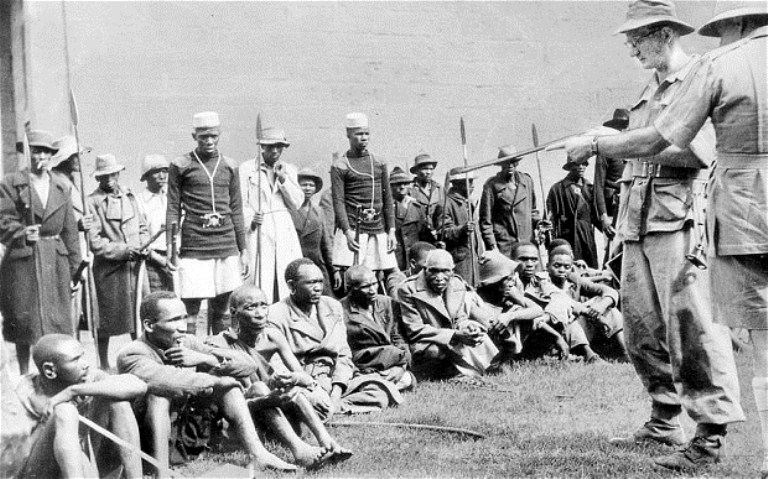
x: 683, y: 358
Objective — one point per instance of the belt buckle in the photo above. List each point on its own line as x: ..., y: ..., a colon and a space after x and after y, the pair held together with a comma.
x: 653, y: 170
x: 644, y: 167
x: 212, y: 220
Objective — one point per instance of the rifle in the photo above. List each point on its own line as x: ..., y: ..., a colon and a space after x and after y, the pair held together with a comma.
x: 447, y: 184
x: 257, y: 266
x: 543, y: 236
x: 88, y: 299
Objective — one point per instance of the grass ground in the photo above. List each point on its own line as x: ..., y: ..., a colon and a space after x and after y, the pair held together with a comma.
x: 555, y: 423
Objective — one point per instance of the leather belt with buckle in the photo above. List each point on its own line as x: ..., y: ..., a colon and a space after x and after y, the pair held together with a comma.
x: 647, y: 169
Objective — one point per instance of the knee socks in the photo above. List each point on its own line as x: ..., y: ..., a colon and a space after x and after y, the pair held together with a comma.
x: 760, y: 389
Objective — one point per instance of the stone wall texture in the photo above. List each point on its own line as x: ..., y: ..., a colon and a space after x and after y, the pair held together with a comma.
x: 141, y: 69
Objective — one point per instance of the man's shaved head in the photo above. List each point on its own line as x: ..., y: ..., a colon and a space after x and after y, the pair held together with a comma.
x: 50, y: 347
x: 356, y: 275
x: 243, y: 293
x: 439, y: 258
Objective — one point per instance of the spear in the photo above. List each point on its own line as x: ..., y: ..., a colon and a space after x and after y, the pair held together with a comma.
x: 471, y: 235
x: 88, y: 310
x: 538, y: 165
x: 257, y: 268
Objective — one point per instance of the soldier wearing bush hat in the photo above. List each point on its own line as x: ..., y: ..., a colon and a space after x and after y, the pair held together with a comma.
x: 658, y: 231
x: 508, y: 212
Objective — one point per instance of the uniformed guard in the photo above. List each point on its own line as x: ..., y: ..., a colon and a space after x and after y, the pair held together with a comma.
x: 204, y: 184
x: 426, y: 191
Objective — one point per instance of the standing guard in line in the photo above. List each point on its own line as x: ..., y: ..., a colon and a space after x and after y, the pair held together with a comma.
x: 280, y: 195
x: 410, y: 220
x: 458, y: 227
x: 153, y: 201
x: 360, y: 182
x: 427, y: 192
x: 116, y: 236
x: 508, y: 211
x: 38, y: 228
x: 204, y: 185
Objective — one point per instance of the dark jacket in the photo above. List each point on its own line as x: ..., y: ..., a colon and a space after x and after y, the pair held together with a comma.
x: 375, y: 342
x: 410, y: 227
x: 508, y: 211
x: 573, y: 218
x: 456, y: 238
x: 34, y: 280
x: 315, y: 240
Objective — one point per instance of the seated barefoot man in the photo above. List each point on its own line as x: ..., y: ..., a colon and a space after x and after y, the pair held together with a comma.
x: 517, y: 318
x: 250, y: 334
x: 592, y: 305
x: 373, y: 329
x: 537, y: 287
x: 446, y: 329
x: 314, y: 328
x: 64, y: 389
x: 178, y: 369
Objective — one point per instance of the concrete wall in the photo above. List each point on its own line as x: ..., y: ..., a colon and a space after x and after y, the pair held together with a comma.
x: 140, y: 70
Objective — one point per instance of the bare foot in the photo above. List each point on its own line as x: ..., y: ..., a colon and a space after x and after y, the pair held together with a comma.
x: 267, y: 460
x: 309, y: 456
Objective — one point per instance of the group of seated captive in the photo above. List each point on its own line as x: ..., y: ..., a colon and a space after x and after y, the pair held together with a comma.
x: 282, y: 370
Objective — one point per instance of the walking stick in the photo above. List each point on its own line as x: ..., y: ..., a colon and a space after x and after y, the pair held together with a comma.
x: 257, y: 266
x: 174, y: 256
x: 356, y: 256
x: 127, y: 445
x: 140, y: 280
x: 471, y: 235
x: 88, y: 299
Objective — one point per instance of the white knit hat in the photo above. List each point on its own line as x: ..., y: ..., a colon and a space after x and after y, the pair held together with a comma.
x: 206, y: 119
x: 356, y: 120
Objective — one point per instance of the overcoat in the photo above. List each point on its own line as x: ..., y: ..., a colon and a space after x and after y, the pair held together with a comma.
x: 375, y: 342
x: 279, y: 241
x: 35, y: 280
x: 315, y: 241
x: 507, y: 211
x: 574, y: 217
x: 118, y: 224
x: 457, y: 239
x: 410, y: 227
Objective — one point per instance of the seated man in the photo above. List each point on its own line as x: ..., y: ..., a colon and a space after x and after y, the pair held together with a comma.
x: 177, y: 367
x: 55, y: 398
x: 373, y: 329
x: 440, y: 318
x: 598, y: 317
x: 537, y: 287
x: 517, y: 318
x: 249, y: 309
x: 314, y: 328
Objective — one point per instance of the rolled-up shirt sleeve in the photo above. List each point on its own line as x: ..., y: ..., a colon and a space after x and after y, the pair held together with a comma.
x: 679, y: 123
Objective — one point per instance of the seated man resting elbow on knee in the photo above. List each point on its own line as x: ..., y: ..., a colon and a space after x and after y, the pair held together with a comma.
x: 271, y: 397
x: 56, y: 397
x: 176, y: 367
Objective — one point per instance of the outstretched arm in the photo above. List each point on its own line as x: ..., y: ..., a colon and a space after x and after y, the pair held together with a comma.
x: 121, y: 387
